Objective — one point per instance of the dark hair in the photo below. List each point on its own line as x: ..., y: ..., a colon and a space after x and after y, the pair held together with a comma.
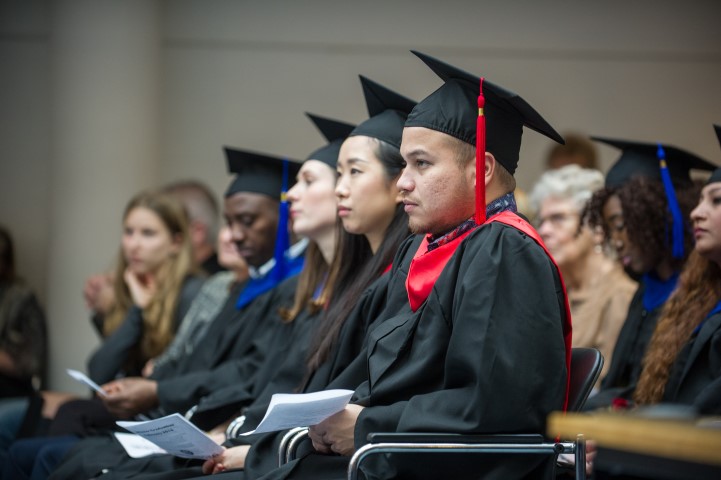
x: 7, y: 256
x: 646, y: 215
x: 355, y: 266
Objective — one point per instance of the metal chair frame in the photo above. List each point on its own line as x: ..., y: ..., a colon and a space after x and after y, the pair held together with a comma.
x: 581, y: 381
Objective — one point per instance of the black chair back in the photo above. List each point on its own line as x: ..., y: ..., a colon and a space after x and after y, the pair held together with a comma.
x: 586, y: 365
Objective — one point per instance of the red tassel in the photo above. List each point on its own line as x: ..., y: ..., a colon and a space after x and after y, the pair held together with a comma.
x: 480, y: 215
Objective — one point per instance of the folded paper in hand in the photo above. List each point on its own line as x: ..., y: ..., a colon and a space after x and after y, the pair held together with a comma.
x: 176, y: 435
x: 82, y: 378
x: 301, y: 410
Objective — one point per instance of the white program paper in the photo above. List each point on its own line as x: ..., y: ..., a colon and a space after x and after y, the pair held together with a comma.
x: 288, y: 410
x: 82, y: 378
x: 136, y: 446
x: 176, y: 435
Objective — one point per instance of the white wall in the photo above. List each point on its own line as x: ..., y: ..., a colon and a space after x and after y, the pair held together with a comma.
x: 241, y: 73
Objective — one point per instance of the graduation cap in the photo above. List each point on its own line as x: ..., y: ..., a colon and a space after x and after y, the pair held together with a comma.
x: 716, y: 175
x: 641, y: 159
x: 258, y: 173
x: 481, y: 113
x: 388, y: 111
x: 335, y: 132
x: 669, y: 164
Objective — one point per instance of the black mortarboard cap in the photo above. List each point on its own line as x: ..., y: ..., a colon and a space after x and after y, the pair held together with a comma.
x: 335, y: 132
x: 258, y: 173
x: 388, y: 111
x: 641, y: 159
x: 716, y: 175
x: 453, y: 109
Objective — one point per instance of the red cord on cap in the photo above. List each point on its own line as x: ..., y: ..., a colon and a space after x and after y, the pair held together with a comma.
x: 480, y: 215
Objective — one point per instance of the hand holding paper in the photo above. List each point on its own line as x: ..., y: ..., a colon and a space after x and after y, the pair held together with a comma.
x: 301, y: 410
x: 82, y: 378
x: 176, y: 435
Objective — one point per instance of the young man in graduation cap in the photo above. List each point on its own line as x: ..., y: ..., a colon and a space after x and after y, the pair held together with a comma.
x: 644, y: 210
x: 475, y: 335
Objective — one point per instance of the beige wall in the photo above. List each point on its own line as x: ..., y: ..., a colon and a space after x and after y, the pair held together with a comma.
x: 241, y: 73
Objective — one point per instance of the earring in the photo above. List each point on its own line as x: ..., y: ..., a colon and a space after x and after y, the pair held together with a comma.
x: 598, y: 248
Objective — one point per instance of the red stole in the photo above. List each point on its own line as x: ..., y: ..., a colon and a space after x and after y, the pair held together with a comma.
x: 426, y: 267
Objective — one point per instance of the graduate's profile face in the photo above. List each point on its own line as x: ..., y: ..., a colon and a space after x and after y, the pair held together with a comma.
x: 366, y: 197
x: 633, y: 257
x: 558, y: 221
x: 437, y: 191
x: 312, y: 201
x: 253, y: 220
x: 147, y: 242
x: 706, y: 219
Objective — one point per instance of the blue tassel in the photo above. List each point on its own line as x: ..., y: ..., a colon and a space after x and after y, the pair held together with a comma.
x: 283, y: 266
x: 677, y: 228
x: 282, y: 238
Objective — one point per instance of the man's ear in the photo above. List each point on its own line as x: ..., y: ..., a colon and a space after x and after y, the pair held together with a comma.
x: 490, y: 167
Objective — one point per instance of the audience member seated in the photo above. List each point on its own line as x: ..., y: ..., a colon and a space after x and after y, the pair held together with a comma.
x: 652, y: 244
x: 153, y: 289
x: 23, y: 343
x: 203, y: 217
x: 599, y: 291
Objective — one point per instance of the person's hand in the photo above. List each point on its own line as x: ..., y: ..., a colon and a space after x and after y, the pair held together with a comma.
x: 142, y: 288
x: 148, y: 368
x: 335, y: 434
x: 231, y: 458
x: 98, y: 293
x: 569, y: 459
x: 217, y: 433
x: 127, y: 397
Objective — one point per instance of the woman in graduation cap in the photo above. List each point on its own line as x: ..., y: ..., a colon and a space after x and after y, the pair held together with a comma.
x: 643, y: 210
x: 683, y: 360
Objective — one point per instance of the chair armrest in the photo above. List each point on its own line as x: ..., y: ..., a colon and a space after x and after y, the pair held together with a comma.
x: 454, y: 438
x: 289, y: 444
x: 429, y: 443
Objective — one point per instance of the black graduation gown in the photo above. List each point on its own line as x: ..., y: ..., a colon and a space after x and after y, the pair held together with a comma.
x: 230, y: 353
x: 285, y: 379
x: 485, y: 353
x: 635, y: 335
x: 695, y: 377
x: 232, y: 350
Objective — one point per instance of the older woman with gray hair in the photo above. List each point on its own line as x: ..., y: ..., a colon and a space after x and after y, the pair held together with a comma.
x: 599, y: 291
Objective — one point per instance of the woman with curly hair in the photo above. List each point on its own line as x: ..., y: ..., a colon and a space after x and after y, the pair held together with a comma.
x: 652, y: 240
x: 683, y: 361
